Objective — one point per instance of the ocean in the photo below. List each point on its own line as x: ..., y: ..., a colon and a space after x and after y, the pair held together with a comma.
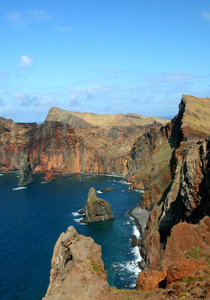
x: 33, y: 217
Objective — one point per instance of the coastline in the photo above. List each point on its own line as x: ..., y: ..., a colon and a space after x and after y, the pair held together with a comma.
x: 140, y: 216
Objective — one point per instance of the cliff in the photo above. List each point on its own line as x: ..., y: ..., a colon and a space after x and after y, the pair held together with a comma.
x: 172, y: 164
x: 73, y: 142
x: 96, y: 209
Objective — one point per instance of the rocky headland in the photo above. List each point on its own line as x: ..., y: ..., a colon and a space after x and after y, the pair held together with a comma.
x: 170, y: 161
x: 96, y: 209
x: 73, y: 142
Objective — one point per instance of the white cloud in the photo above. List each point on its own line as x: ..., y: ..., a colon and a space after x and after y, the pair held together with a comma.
x: 26, y: 61
x: 62, y: 29
x: 16, y: 19
x: 43, y: 101
x: 24, y: 99
x: 24, y: 18
x: 40, y: 14
x: 14, y: 16
x: 206, y: 15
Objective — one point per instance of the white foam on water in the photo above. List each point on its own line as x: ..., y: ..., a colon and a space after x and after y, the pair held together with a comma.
x: 139, y: 191
x: 99, y: 192
x: 136, y: 232
x: 123, y: 191
x: 75, y: 214
x: 1, y: 174
x: 19, y: 188
x: 131, y: 267
x: 78, y: 221
x: 123, y: 181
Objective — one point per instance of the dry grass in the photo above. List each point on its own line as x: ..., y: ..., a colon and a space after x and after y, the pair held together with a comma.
x: 105, y: 121
x: 197, y: 113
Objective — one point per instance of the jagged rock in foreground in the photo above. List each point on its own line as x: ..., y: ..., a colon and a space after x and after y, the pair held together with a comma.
x: 96, y: 209
x: 77, y: 270
x: 26, y: 173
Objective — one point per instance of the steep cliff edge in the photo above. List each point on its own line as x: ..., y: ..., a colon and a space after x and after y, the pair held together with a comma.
x: 172, y: 164
x: 174, y: 170
x: 72, y: 142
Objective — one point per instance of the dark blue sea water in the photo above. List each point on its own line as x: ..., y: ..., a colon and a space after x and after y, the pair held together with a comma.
x: 31, y: 220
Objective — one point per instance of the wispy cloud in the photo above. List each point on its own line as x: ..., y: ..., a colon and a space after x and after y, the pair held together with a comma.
x: 39, y: 14
x: 26, y: 61
x: 23, y: 99
x: 16, y: 19
x: 206, y: 16
x: 24, y: 18
x: 63, y: 29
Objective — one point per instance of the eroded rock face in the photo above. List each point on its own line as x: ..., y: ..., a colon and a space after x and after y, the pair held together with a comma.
x: 77, y: 270
x: 179, y: 212
x: 73, y: 142
x: 96, y: 209
x: 26, y: 173
x: 49, y: 175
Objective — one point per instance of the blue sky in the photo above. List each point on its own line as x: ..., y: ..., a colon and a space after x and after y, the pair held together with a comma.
x: 107, y: 56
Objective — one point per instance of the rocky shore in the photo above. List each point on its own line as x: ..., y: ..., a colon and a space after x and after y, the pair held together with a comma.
x: 170, y: 161
x: 141, y: 217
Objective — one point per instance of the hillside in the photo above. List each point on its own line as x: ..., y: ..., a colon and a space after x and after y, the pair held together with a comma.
x: 84, y: 120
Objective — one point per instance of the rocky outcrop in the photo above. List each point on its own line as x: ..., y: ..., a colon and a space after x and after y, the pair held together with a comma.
x: 96, y: 209
x: 107, y: 189
x: 179, y: 212
x: 77, y: 270
x: 153, y: 158
x: 26, y: 173
x: 49, y: 175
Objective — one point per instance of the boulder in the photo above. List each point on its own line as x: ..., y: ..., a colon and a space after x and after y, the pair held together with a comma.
x: 106, y: 189
x: 96, y: 209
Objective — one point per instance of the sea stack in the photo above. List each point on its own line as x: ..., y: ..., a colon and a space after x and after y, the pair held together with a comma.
x: 96, y: 209
x: 49, y: 175
x: 26, y: 172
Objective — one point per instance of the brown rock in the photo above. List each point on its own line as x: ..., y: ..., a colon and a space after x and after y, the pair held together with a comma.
x: 148, y: 281
x: 77, y: 269
x: 50, y: 175
x: 185, y: 269
x: 26, y: 173
x: 96, y: 209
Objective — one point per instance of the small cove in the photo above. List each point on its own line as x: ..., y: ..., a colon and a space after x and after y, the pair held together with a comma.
x: 33, y: 218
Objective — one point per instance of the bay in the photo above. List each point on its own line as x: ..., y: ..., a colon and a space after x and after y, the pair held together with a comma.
x: 33, y: 217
